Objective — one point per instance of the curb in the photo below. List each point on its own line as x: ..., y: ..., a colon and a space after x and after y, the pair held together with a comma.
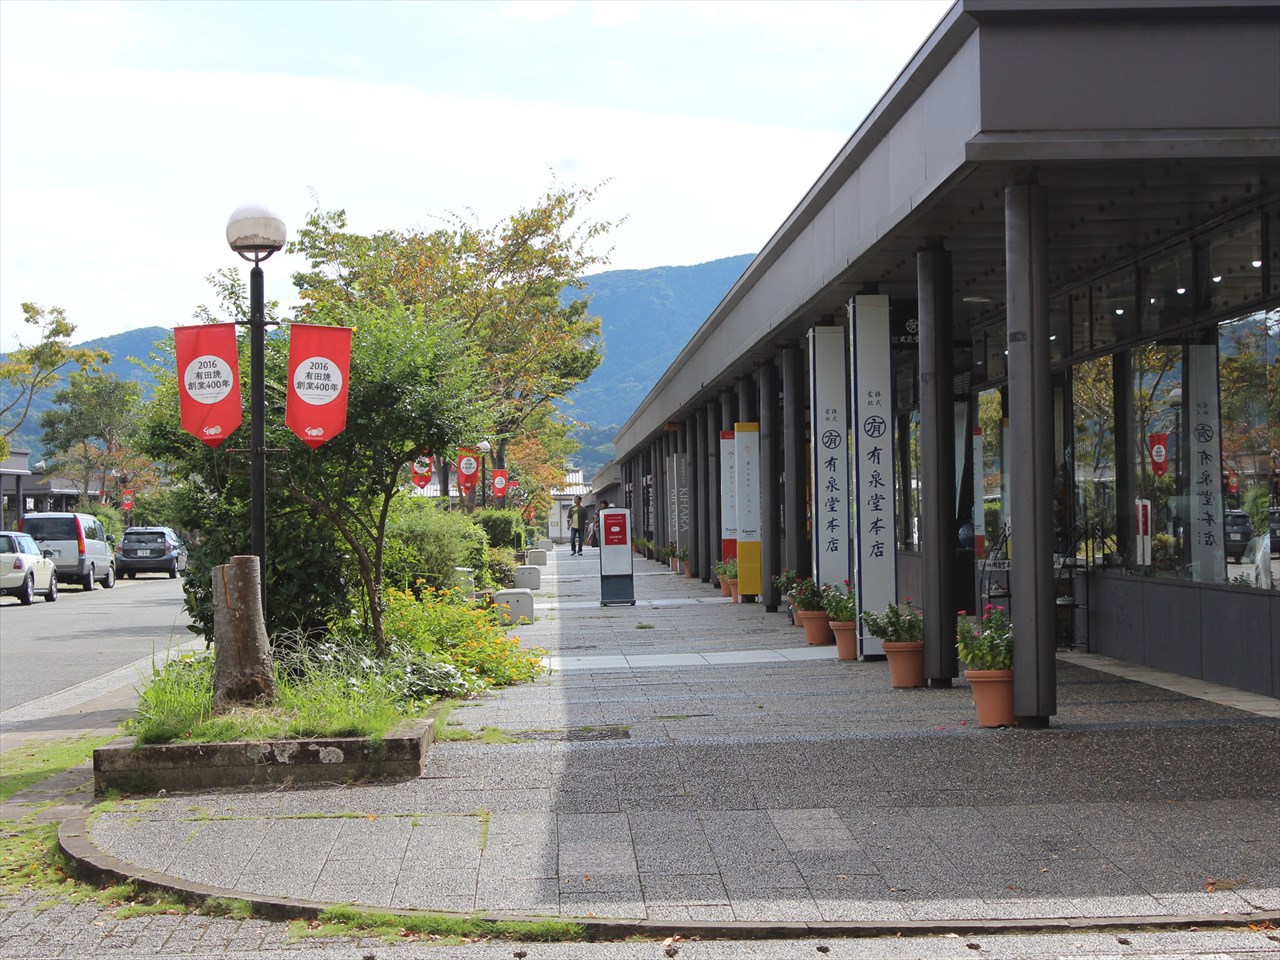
x: 92, y: 864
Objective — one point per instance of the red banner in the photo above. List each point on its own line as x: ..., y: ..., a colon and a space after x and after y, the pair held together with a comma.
x: 468, y: 469
x: 319, y: 362
x: 126, y: 500
x: 513, y: 485
x: 499, y: 483
x: 1159, y: 453
x: 208, y: 365
x: 422, y: 470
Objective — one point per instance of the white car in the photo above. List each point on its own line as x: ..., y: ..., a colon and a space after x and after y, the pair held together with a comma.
x: 25, y: 569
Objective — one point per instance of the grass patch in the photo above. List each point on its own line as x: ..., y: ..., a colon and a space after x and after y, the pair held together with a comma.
x: 644, y: 626
x: 177, y: 706
x: 26, y: 765
x: 439, y: 929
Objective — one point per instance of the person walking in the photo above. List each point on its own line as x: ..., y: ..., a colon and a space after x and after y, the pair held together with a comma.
x: 577, y: 526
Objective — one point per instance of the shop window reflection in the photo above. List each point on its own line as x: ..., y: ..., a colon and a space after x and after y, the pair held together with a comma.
x: 1164, y: 289
x: 1113, y: 308
x: 1230, y: 266
x: 1094, y: 457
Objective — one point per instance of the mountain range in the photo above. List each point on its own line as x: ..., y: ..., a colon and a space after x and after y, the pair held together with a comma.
x: 647, y: 317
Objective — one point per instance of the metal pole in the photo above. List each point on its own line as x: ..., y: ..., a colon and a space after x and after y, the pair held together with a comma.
x: 257, y: 424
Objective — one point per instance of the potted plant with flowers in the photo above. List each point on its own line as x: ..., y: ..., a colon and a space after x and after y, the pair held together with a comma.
x: 786, y: 582
x: 986, y: 648
x: 731, y: 577
x: 721, y: 568
x: 841, y: 606
x: 806, y: 599
x: 682, y: 557
x: 901, y: 630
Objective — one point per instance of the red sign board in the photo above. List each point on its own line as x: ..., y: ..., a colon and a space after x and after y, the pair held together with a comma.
x: 422, y: 470
x: 615, y: 529
x: 126, y: 499
x: 319, y: 364
x: 499, y: 483
x: 468, y: 468
x: 208, y: 365
x: 1159, y: 453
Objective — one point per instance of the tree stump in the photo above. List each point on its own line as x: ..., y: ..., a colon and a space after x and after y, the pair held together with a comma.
x: 242, y: 672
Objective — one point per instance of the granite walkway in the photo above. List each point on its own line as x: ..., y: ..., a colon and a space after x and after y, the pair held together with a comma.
x: 690, y: 761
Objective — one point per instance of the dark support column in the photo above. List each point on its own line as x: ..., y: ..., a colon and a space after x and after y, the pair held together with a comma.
x: 937, y: 466
x: 711, y: 415
x: 694, y: 439
x: 728, y: 409
x: 747, y: 398
x: 1031, y: 453
x: 795, y: 473
x: 770, y: 485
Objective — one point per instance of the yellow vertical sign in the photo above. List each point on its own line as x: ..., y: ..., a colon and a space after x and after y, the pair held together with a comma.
x: 746, y: 442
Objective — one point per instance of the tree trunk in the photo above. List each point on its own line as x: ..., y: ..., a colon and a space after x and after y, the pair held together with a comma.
x: 242, y: 654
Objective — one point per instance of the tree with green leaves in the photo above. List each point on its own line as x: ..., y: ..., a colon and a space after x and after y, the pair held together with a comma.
x: 500, y: 288
x: 88, y: 429
x: 30, y: 370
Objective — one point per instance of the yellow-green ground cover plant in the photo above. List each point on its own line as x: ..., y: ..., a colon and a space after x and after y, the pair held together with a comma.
x: 441, y: 643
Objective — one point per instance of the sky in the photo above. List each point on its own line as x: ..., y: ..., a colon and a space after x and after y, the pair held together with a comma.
x: 129, y: 132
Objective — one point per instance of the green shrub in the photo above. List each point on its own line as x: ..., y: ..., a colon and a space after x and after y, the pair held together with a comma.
x: 426, y: 543
x: 504, y: 527
x: 450, y: 627
x: 502, y: 565
x: 1257, y: 505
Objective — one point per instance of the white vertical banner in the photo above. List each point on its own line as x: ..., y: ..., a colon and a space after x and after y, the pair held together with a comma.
x: 683, y: 522
x: 728, y: 498
x: 829, y: 427
x: 876, y: 527
x: 670, y: 483
x: 746, y: 443
x: 1204, y: 436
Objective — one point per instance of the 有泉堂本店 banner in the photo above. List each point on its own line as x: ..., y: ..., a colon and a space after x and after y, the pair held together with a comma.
x: 319, y: 364
x: 208, y: 366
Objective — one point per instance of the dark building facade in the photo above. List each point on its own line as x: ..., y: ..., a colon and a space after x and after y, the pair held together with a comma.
x: 1071, y: 211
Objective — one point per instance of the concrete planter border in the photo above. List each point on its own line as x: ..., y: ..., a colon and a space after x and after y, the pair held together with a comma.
x: 130, y: 768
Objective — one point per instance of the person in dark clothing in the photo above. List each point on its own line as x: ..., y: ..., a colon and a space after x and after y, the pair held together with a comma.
x: 577, y: 526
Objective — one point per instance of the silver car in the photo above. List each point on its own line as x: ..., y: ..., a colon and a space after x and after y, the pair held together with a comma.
x: 82, y: 550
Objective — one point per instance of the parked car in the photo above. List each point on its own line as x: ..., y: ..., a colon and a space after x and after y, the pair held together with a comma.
x: 83, y: 552
x: 151, y: 550
x: 25, y: 569
x: 1237, y: 531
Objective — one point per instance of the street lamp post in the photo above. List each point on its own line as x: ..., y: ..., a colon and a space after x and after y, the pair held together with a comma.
x: 255, y: 233
x: 484, y: 446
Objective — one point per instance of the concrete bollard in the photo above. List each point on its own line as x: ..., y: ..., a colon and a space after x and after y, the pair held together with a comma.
x: 521, y: 604
x: 546, y: 545
x: 528, y: 578
x: 537, y: 557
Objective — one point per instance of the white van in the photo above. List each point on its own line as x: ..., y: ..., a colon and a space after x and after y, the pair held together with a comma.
x: 82, y: 550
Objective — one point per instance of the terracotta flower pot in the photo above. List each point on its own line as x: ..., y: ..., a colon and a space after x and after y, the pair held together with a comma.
x: 817, y: 627
x: 846, y: 632
x: 993, y: 697
x: 733, y: 588
x: 795, y: 616
x: 725, y: 589
x: 906, y: 664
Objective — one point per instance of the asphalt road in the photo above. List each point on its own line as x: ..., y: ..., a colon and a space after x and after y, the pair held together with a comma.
x: 85, y: 637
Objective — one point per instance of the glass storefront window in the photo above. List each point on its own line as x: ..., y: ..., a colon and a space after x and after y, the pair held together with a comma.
x: 1059, y: 328
x: 908, y: 489
x: 1081, y: 339
x: 1160, y: 420
x: 1273, y: 241
x: 991, y: 496
x: 1094, y: 455
x: 1165, y: 291
x: 1230, y: 266
x: 1113, y: 308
